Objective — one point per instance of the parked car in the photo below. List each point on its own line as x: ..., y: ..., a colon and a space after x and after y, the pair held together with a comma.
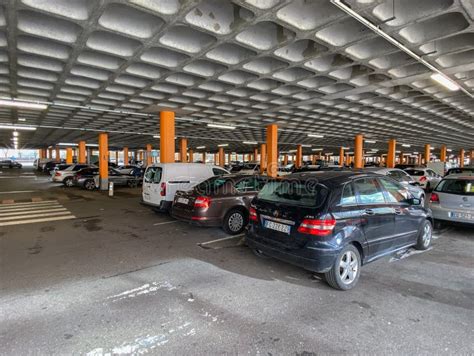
x: 425, y: 177
x: 453, y: 200
x: 246, y: 168
x: 335, y: 222
x: 162, y: 180
x: 65, y: 176
x: 219, y: 201
x: 8, y: 163
x: 39, y: 163
x: 404, y: 179
x: 126, y: 169
x: 51, y: 166
x: 60, y: 167
x: 119, y: 179
x: 317, y: 167
x: 459, y: 170
x: 440, y: 168
x: 85, y: 178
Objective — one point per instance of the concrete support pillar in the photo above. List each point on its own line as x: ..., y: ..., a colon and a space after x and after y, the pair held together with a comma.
x: 285, y: 160
x: 299, y: 156
x: 341, y: 157
x: 216, y: 158
x: 81, y: 158
x: 88, y: 157
x: 461, y: 157
x: 167, y: 132
x: 272, y: 150
x: 400, y: 158
x: 149, y: 158
x: 57, y: 154
x: 358, y: 154
x: 204, y: 157
x: 50, y: 153
x: 116, y: 157
x: 427, y: 153
x: 221, y: 157
x: 471, y: 158
x: 140, y: 156
x: 263, y: 158
x: 125, y: 155
x: 191, y: 156
x: 420, y: 159
x: 229, y: 158
x: 69, y: 155
x: 255, y: 154
x: 104, y: 161
x: 392, y: 147
x: 442, y: 153
x: 183, y: 150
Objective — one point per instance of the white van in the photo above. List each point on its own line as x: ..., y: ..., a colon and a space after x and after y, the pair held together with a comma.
x: 162, y: 180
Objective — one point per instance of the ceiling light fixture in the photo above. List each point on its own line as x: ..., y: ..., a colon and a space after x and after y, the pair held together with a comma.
x: 370, y: 141
x: 22, y: 104
x: 200, y: 147
x: 15, y: 133
x: 21, y: 119
x: 156, y: 136
x: 317, y: 149
x: 315, y: 135
x: 306, y: 145
x: 445, y: 81
x: 13, y: 127
x: 250, y: 142
x: 220, y: 126
x: 223, y: 145
x: 406, y: 145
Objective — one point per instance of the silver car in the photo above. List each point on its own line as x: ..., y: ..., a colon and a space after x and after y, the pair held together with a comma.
x: 404, y: 179
x: 426, y: 177
x: 453, y: 200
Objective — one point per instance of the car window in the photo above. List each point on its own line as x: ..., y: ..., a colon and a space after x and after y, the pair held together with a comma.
x: 246, y: 185
x: 368, y: 191
x: 456, y: 186
x: 415, y: 172
x: 348, y: 196
x: 153, y: 175
x: 261, y: 183
x: 294, y: 192
x: 395, y: 193
x: 218, y: 171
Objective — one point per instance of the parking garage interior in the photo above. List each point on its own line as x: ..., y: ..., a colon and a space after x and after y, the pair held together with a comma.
x: 276, y: 85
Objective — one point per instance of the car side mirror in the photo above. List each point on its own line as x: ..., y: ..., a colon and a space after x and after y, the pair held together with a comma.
x: 414, y: 201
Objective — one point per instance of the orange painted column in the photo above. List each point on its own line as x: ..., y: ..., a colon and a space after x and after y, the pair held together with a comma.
x: 216, y: 159
x: 263, y: 158
x: 427, y: 153
x: 285, y: 160
x: 272, y: 150
x: 183, y: 150
x: 400, y: 158
x: 255, y: 154
x: 50, y: 153
x: 341, y: 156
x: 420, y: 159
x: 442, y: 153
x: 116, y: 157
x: 167, y: 133
x: 69, y: 155
x: 149, y: 158
x: 461, y: 158
x: 103, y: 161
x: 299, y: 156
x: 125, y: 155
x: 82, y: 152
x: 221, y: 157
x: 471, y: 158
x: 140, y: 156
x: 58, y: 154
x: 229, y: 157
x: 358, y: 154
x: 392, y: 147
x: 191, y: 156
x: 204, y: 157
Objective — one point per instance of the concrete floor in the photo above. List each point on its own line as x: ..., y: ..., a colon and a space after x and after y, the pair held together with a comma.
x: 118, y: 278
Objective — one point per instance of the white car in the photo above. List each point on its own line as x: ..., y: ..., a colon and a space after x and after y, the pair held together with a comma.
x: 162, y: 180
x: 66, y: 176
x: 126, y: 169
x: 425, y: 177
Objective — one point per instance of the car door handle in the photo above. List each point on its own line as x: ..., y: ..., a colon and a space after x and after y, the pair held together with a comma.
x: 398, y: 211
x: 369, y: 212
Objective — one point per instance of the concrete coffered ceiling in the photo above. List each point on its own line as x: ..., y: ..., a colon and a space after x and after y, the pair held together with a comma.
x: 305, y: 65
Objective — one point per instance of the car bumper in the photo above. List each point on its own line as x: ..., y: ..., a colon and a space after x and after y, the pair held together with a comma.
x: 163, y: 206
x: 187, y: 216
x: 57, y: 179
x: 445, y: 214
x: 310, y: 258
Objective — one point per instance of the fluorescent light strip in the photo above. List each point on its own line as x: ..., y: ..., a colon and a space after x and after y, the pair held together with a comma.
x: 445, y: 81
x: 315, y: 135
x: 317, y: 149
x: 223, y: 145
x: 219, y: 126
x: 250, y: 143
x: 200, y: 147
x: 22, y: 104
x: 16, y: 127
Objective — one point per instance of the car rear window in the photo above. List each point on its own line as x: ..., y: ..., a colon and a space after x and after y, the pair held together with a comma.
x: 211, y: 185
x: 153, y: 175
x: 456, y: 186
x: 415, y: 172
x: 294, y: 192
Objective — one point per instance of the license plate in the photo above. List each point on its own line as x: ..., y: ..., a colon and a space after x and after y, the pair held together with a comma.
x: 457, y: 215
x: 277, y: 227
x: 183, y: 201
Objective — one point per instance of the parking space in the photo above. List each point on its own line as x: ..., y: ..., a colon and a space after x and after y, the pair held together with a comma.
x: 120, y: 278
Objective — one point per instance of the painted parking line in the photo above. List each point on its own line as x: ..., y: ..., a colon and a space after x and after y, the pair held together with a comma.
x: 18, y: 192
x: 34, y: 212
x: 28, y: 203
x: 223, y: 239
x: 165, y: 222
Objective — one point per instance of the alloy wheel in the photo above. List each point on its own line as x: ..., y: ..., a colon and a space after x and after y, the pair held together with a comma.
x: 236, y: 221
x: 426, y: 235
x: 348, y: 267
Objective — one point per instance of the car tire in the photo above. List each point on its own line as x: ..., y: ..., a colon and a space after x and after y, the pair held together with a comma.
x: 424, y: 236
x: 345, y: 272
x: 422, y: 200
x: 89, y: 184
x: 132, y: 184
x: 234, y: 221
x: 68, y: 182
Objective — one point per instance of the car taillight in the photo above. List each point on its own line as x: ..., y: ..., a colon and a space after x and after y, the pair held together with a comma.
x: 163, y: 189
x: 252, y: 214
x: 317, y: 227
x: 423, y: 179
x: 202, y: 202
x: 57, y: 174
x: 434, y: 198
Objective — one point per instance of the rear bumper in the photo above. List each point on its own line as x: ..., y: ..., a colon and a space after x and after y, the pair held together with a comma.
x: 310, y: 258
x: 440, y: 213
x: 163, y: 206
x: 187, y: 216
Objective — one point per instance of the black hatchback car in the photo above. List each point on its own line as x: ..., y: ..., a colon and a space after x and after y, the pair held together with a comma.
x: 334, y: 222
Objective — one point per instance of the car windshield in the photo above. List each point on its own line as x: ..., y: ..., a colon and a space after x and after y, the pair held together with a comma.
x: 415, y: 172
x: 153, y: 175
x: 211, y: 185
x: 294, y: 192
x: 456, y: 186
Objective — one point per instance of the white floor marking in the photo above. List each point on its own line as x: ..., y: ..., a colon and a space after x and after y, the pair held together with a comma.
x: 223, y: 239
x: 33, y: 212
x: 18, y: 192
x: 165, y: 222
